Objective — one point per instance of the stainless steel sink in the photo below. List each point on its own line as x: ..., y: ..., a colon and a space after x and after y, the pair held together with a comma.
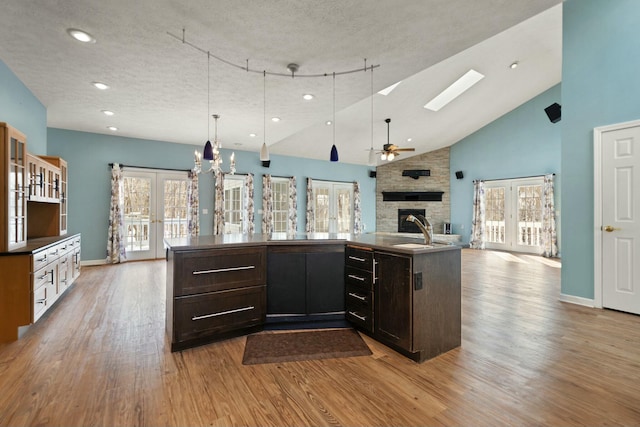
x: 413, y: 246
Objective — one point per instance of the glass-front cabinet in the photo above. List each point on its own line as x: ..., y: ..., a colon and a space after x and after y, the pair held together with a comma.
x: 13, y: 233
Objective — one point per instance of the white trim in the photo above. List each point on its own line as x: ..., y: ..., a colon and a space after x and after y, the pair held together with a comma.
x: 597, y: 204
x: 89, y: 263
x: 572, y: 299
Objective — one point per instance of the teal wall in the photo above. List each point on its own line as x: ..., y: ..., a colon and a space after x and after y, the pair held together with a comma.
x: 88, y: 156
x: 600, y: 86
x: 22, y: 110
x: 521, y: 143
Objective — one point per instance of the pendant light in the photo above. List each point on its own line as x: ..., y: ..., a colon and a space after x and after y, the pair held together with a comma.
x: 334, y: 151
x: 208, y: 149
x: 372, y: 152
x: 264, y: 151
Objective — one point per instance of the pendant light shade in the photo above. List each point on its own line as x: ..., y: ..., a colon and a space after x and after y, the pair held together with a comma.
x: 334, y: 153
x: 264, y: 152
x: 208, y: 151
x: 372, y: 157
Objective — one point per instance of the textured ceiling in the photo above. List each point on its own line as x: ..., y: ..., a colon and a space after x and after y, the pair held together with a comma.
x: 159, y: 85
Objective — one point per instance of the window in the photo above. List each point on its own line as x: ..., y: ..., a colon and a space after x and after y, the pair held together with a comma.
x: 333, y: 206
x: 280, y: 193
x: 233, y: 212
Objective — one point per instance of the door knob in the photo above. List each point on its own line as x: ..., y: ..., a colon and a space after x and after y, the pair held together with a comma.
x: 609, y: 228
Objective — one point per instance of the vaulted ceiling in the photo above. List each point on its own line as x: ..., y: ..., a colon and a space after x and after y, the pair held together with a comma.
x: 159, y: 88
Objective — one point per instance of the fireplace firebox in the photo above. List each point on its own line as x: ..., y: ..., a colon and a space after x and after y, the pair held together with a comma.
x: 405, y: 226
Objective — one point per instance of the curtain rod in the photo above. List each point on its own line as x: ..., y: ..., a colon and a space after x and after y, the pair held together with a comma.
x: 331, y: 180
x: 279, y: 176
x: 150, y: 167
x: 517, y: 177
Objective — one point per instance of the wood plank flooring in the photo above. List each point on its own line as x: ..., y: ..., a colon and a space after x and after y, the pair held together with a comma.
x: 100, y: 357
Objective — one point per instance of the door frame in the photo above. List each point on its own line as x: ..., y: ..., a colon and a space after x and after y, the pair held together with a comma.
x: 597, y: 205
x: 333, y: 187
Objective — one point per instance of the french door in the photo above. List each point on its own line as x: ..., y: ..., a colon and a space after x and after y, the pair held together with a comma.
x: 155, y: 206
x: 333, y: 206
x: 513, y: 214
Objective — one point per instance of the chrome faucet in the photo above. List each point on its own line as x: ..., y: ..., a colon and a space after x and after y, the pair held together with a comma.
x: 425, y: 227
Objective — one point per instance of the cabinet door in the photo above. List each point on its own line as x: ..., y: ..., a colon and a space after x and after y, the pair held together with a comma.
x: 13, y: 153
x: 286, y: 288
x: 393, y: 299
x: 325, y: 282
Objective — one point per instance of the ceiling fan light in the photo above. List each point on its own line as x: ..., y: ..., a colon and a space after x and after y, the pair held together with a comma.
x: 334, y: 153
x: 208, y: 151
x: 264, y: 152
x: 383, y: 156
x: 391, y: 156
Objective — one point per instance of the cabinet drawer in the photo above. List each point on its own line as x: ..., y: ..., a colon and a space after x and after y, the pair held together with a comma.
x: 39, y: 302
x: 40, y: 259
x: 360, y: 316
x: 359, y: 258
x: 44, y: 276
x: 204, y: 316
x: 355, y: 295
x: 357, y: 277
x: 215, y: 270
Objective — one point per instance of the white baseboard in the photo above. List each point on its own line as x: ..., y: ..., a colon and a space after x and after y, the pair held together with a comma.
x: 93, y: 262
x: 587, y: 302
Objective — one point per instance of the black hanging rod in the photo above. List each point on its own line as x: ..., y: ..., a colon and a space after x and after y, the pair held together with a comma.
x: 517, y: 177
x: 149, y: 167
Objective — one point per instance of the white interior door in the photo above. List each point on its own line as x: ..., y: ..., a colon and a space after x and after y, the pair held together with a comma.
x: 155, y: 206
x: 620, y: 228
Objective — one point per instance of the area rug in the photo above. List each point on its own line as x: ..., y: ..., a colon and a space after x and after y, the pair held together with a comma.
x: 307, y: 345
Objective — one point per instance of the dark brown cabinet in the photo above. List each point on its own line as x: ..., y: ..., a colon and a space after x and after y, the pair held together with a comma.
x: 305, y: 282
x: 412, y: 303
x: 214, y: 294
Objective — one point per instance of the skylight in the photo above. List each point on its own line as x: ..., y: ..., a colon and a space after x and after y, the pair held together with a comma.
x: 456, y: 89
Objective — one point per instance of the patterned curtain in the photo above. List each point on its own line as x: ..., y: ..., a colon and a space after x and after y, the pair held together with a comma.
x: 116, y: 251
x: 219, y: 204
x: 193, y: 219
x: 248, y: 226
x: 267, y: 205
x: 357, y: 212
x: 549, y: 237
x: 292, y: 227
x: 310, y: 213
x: 478, y: 220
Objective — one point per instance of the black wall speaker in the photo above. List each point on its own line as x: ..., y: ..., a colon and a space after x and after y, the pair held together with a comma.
x: 265, y: 163
x: 372, y: 174
x: 459, y: 175
x: 553, y: 112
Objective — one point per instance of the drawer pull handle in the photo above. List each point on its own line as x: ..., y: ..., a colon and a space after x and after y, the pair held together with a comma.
x: 360, y: 297
x: 41, y: 301
x: 44, y: 258
x: 355, y: 258
x: 362, y: 279
x: 222, y: 270
x: 222, y: 313
x: 363, y: 318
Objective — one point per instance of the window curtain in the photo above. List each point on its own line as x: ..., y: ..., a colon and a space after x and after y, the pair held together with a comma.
x: 478, y: 219
x: 292, y: 227
x: 549, y: 237
x: 310, y: 212
x: 267, y: 205
x: 116, y: 251
x: 357, y: 212
x: 248, y: 226
x: 219, y: 204
x: 193, y: 208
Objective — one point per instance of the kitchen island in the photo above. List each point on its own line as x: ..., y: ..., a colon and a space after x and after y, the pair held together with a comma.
x: 400, y: 292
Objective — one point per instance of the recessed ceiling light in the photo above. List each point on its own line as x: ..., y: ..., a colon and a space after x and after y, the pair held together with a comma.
x: 307, y: 97
x: 514, y: 64
x: 252, y: 135
x: 112, y: 128
x: 456, y: 89
x: 81, y: 36
x: 409, y: 139
x: 328, y: 123
x: 386, y: 91
x: 108, y: 113
x: 275, y: 119
x: 100, y: 85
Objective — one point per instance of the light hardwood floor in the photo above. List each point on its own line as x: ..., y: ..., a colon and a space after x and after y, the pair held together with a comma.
x: 100, y: 357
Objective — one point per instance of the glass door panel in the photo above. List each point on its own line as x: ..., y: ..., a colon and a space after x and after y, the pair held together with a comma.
x: 333, y: 207
x: 138, y: 199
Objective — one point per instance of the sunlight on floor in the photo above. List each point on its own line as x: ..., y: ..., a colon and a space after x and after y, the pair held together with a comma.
x: 547, y: 261
x: 526, y: 259
x: 510, y: 257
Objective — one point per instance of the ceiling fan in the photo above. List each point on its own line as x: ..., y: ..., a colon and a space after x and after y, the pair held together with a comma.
x: 390, y: 151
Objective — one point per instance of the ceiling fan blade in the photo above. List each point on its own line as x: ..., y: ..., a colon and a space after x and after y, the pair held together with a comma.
x: 405, y: 149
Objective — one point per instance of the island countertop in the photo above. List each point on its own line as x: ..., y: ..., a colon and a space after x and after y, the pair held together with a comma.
x: 399, y: 244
